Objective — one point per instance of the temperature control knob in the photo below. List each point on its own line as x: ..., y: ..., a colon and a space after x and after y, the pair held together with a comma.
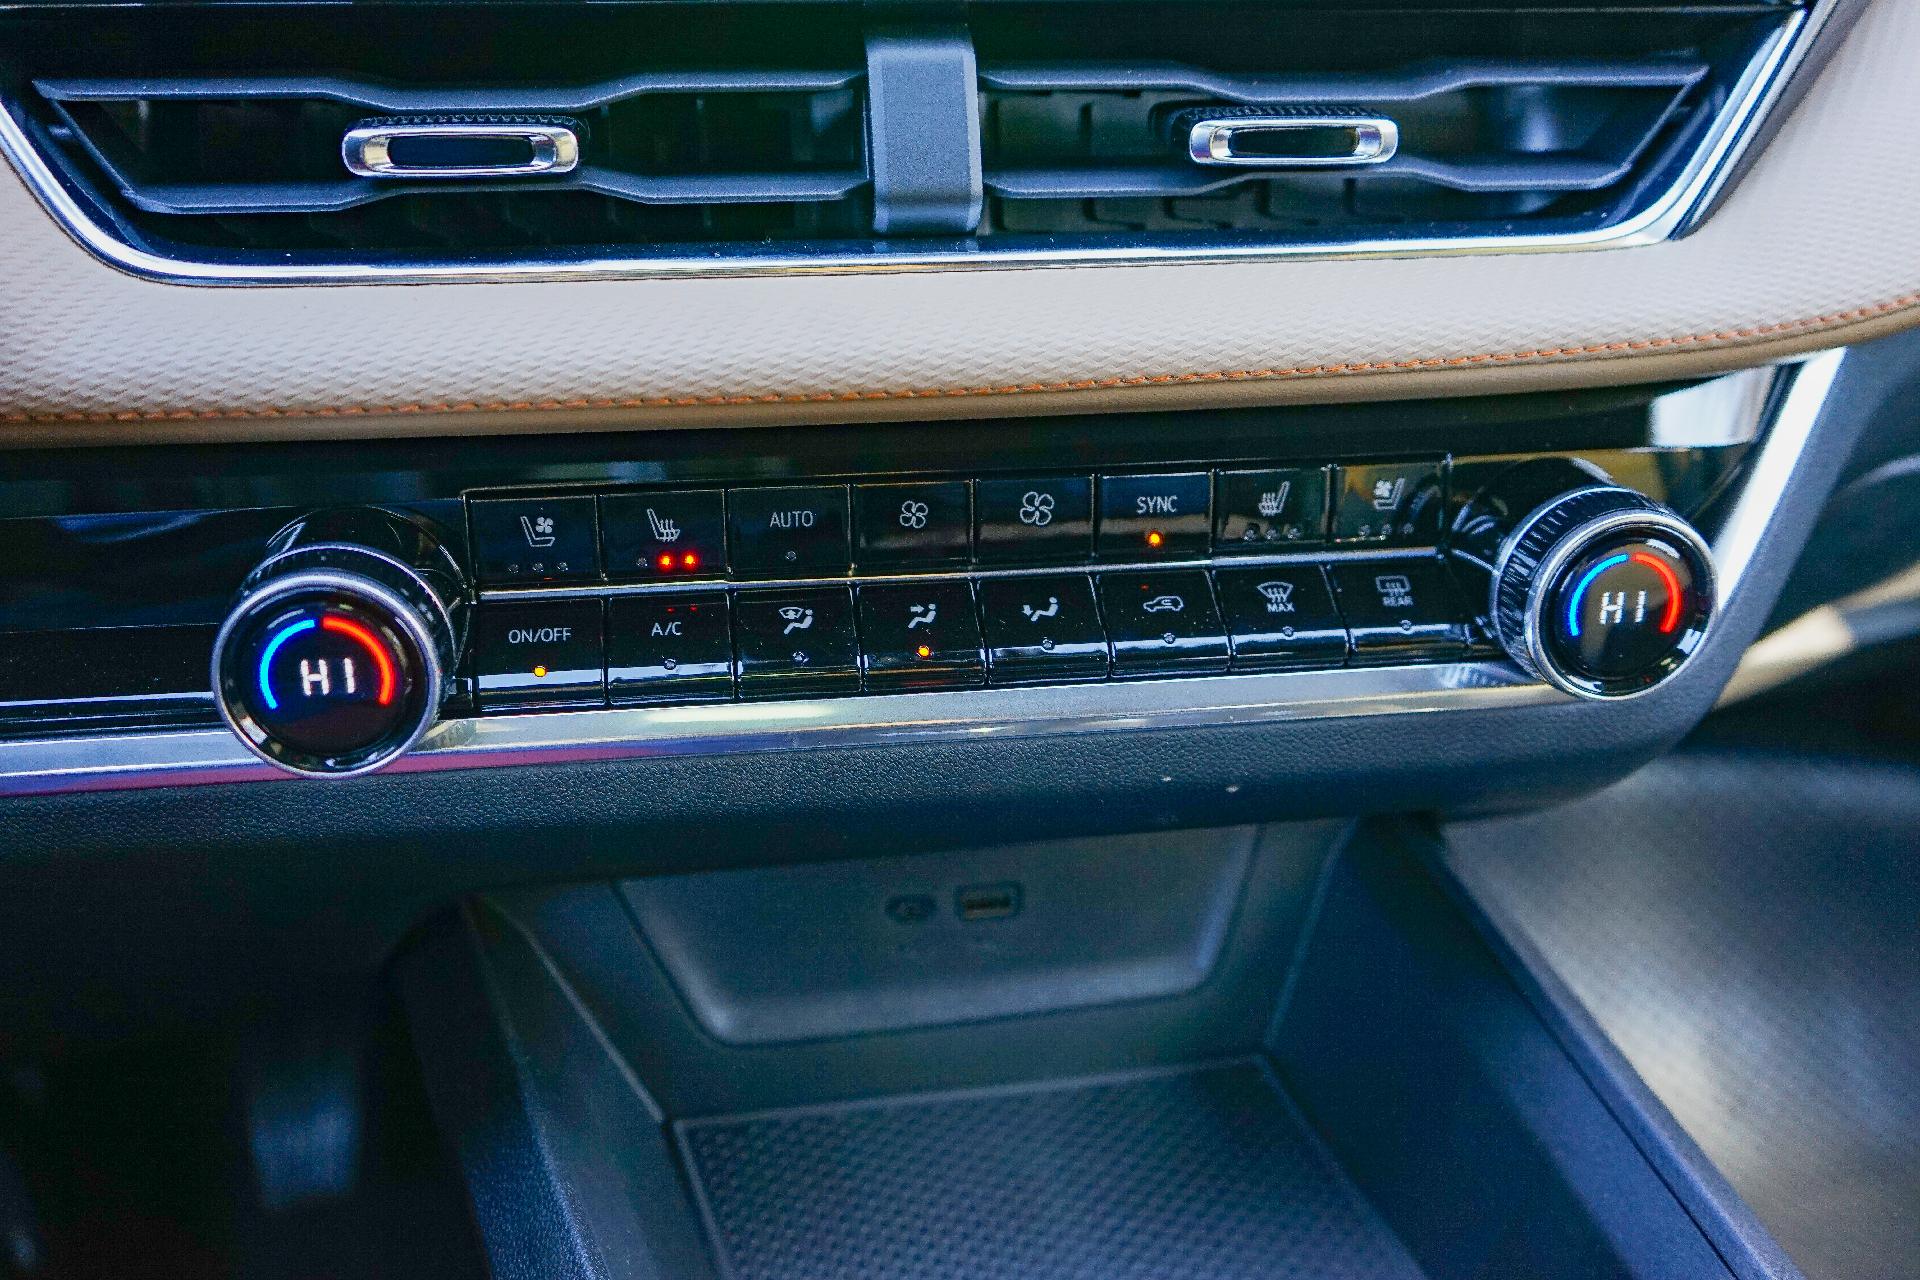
x: 1602, y: 592
x: 341, y: 647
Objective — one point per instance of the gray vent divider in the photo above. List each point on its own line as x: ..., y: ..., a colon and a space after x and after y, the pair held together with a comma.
x: 923, y: 130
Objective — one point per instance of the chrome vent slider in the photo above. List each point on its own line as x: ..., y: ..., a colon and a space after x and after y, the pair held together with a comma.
x: 461, y: 147
x: 1286, y: 138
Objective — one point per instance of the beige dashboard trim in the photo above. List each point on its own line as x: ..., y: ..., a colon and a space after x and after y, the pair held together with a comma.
x: 1815, y: 248
x: 1820, y: 327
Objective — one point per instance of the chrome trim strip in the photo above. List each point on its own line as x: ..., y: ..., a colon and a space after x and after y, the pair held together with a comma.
x: 367, y: 150
x: 1738, y: 540
x: 1756, y: 90
x: 181, y: 757
x: 178, y: 757
x: 862, y: 578
x: 1375, y: 140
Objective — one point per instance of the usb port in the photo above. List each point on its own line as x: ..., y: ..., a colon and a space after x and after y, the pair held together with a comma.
x: 987, y: 901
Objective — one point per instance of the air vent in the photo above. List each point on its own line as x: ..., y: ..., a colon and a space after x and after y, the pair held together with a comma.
x: 278, y: 141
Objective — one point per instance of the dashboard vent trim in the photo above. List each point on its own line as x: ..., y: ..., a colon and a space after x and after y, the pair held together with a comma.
x: 1669, y: 159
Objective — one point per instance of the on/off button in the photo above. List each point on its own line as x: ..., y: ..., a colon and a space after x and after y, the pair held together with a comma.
x: 539, y: 654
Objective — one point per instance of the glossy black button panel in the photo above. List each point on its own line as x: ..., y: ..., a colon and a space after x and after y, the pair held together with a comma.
x: 1162, y: 623
x: 669, y: 648
x: 1400, y: 610
x: 794, y: 532
x: 1271, y: 510
x: 921, y: 635
x: 679, y: 533
x: 526, y: 540
x: 1281, y: 616
x: 1033, y: 520
x: 1042, y: 630
x: 942, y: 595
x: 917, y: 525
x: 796, y: 643
x: 1155, y: 517
x: 1394, y: 504
x: 543, y: 653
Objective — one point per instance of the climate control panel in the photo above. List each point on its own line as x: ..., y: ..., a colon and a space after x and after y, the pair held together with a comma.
x: 665, y: 595
x: 552, y: 599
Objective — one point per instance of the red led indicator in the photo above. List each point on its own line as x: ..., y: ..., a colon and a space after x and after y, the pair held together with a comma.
x: 666, y: 562
x: 381, y: 659
x: 1671, y: 580
x: 690, y: 561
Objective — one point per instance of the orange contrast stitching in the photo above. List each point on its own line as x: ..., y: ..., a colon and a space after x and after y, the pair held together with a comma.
x: 1830, y: 320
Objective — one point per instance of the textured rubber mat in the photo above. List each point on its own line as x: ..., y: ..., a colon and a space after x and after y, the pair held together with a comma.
x: 1205, y: 1172
x: 1747, y: 929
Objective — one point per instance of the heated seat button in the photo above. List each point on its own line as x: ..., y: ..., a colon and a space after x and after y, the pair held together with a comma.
x: 541, y: 654
x: 920, y: 636
x: 796, y: 643
x: 1162, y: 623
x: 1400, y: 610
x: 1278, y: 617
x: 535, y: 539
x: 1034, y: 519
x: 1264, y: 510
x: 911, y: 525
x: 1157, y: 517
x: 788, y: 533
x: 679, y: 534
x: 1392, y: 504
x: 1042, y: 630
x: 669, y: 648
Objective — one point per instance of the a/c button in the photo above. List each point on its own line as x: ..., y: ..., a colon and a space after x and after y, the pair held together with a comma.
x: 538, y: 654
x: 669, y: 648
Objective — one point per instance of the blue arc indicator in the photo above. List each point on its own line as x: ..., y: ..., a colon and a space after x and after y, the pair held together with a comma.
x: 1573, y: 605
x: 285, y: 634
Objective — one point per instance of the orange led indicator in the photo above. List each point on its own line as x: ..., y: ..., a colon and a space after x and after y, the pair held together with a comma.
x: 540, y: 673
x: 925, y: 651
x: 1154, y: 539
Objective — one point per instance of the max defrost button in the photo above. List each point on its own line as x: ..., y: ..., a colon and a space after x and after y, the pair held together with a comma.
x: 1042, y: 629
x: 796, y: 643
x: 669, y: 649
x: 1282, y: 616
x: 543, y: 654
